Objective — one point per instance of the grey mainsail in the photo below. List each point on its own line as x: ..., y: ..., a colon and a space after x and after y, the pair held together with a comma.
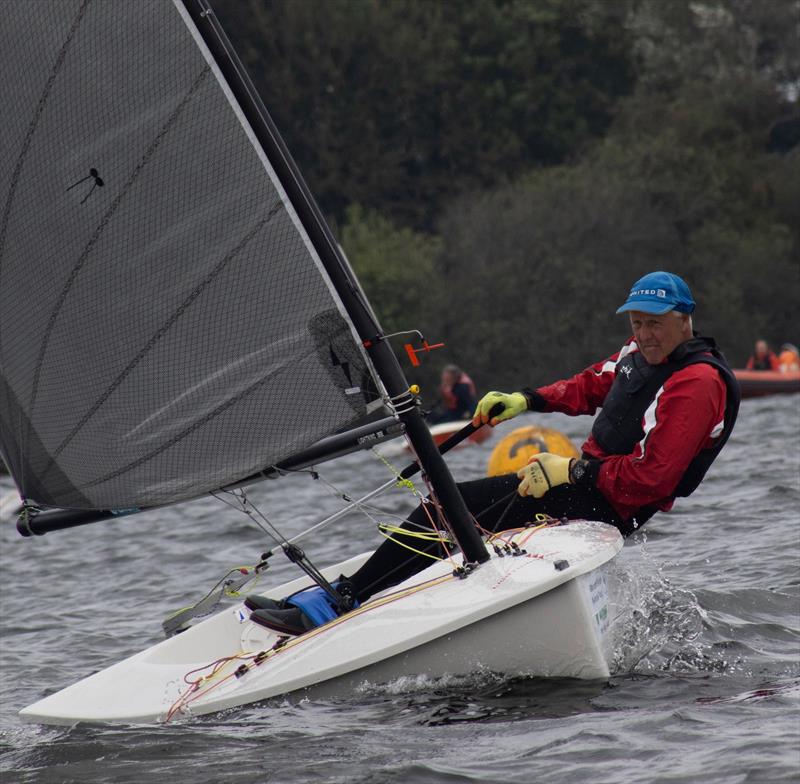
x: 166, y: 326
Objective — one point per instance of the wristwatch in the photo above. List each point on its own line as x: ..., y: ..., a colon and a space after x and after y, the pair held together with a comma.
x: 577, y: 471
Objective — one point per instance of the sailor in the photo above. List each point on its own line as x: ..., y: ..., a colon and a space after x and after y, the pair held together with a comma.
x: 762, y: 358
x: 457, y: 397
x: 668, y: 401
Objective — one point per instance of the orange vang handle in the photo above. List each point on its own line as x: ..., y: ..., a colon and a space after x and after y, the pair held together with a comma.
x: 426, y: 347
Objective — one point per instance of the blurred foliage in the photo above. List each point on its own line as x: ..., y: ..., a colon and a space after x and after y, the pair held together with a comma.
x: 522, y: 162
x: 403, y: 104
x: 382, y: 252
x: 713, y: 40
x: 545, y: 262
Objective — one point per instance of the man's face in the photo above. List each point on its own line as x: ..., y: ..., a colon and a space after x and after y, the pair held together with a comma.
x: 761, y: 348
x: 658, y: 336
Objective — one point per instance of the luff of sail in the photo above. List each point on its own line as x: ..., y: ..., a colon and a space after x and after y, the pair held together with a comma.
x: 166, y: 327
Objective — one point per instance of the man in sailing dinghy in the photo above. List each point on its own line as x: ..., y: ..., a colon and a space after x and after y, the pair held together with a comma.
x: 668, y: 403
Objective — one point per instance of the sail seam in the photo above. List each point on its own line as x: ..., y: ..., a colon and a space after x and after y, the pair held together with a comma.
x: 79, y: 264
x: 15, y: 177
x: 222, y: 407
x: 247, y: 125
x: 211, y: 414
x: 184, y: 306
x: 33, y: 125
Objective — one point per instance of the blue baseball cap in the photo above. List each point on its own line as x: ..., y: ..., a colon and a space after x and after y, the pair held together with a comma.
x: 659, y: 293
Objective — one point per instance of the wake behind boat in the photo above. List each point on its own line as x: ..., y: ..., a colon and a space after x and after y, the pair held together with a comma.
x: 228, y: 342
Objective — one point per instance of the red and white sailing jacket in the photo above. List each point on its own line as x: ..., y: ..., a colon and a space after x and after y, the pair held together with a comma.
x: 685, y: 416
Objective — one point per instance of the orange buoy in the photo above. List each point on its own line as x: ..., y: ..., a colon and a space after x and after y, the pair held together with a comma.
x: 514, y: 451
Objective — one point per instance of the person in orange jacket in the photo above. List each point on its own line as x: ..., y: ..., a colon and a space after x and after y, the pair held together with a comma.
x: 789, y: 359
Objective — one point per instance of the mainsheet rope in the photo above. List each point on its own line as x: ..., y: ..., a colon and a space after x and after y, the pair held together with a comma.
x: 217, y: 672
x: 402, y: 535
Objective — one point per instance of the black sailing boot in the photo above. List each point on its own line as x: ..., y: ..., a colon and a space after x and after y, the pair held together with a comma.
x: 255, y: 601
x: 303, y: 610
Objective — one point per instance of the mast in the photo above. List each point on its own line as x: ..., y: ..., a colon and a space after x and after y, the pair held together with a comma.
x: 378, y: 349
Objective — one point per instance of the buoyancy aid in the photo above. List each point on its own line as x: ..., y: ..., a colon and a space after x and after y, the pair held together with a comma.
x: 618, y: 427
x: 449, y: 400
x: 767, y: 362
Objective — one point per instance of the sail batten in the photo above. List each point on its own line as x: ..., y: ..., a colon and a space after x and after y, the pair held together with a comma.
x: 166, y: 325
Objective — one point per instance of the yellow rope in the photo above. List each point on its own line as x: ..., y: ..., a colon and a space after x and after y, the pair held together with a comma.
x: 400, y: 481
x: 387, y: 532
x: 431, y: 536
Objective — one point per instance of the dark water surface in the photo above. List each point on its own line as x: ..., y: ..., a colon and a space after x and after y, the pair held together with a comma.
x: 707, y: 681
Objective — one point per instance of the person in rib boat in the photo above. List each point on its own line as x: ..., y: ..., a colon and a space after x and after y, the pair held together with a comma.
x: 762, y: 358
x: 668, y: 401
x: 457, y: 397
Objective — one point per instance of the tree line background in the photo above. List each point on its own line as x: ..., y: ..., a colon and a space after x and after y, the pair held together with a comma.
x: 499, y: 172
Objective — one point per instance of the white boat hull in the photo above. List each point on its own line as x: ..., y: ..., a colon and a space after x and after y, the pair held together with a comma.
x: 517, y: 615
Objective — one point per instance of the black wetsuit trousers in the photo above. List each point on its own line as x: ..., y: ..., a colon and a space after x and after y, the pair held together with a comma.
x: 495, y: 505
